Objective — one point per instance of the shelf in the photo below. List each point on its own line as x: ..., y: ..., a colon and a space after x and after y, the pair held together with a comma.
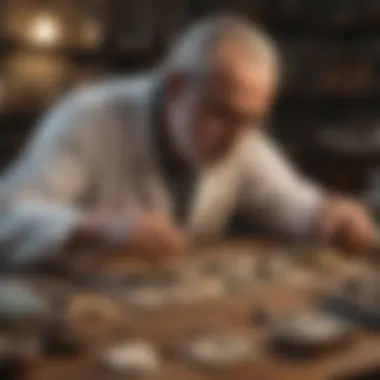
x: 352, y: 34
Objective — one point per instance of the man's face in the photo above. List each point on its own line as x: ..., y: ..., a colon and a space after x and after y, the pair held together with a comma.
x: 209, y: 117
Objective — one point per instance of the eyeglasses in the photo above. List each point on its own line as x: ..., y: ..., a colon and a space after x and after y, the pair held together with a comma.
x: 227, y: 113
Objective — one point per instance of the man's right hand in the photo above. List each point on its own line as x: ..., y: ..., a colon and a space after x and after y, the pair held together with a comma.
x: 156, y: 237
x: 150, y: 235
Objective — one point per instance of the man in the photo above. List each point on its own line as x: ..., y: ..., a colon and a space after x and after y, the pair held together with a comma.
x: 158, y: 161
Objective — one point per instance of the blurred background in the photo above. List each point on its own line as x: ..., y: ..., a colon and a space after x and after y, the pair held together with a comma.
x: 327, y: 116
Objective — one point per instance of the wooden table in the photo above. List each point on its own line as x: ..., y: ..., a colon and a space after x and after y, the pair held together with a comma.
x: 169, y: 328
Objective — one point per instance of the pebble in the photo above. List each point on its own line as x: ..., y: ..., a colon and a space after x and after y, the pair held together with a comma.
x: 273, y: 268
x: 89, y: 309
x: 149, y: 299
x: 312, y: 328
x: 131, y: 357
x: 218, y: 351
x: 210, y: 288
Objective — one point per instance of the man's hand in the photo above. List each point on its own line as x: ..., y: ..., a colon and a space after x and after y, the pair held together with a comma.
x: 151, y: 236
x: 346, y: 224
x: 155, y: 237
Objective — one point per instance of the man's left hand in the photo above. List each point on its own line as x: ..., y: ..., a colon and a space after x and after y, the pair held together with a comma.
x: 346, y: 224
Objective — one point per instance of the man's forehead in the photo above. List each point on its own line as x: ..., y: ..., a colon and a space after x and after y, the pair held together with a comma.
x: 240, y: 81
x: 242, y: 76
x: 235, y: 63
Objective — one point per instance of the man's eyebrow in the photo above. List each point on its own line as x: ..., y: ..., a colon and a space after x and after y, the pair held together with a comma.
x: 214, y: 98
x: 239, y: 114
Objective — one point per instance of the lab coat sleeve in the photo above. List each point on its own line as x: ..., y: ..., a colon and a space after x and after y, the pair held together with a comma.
x: 274, y: 192
x: 39, y: 190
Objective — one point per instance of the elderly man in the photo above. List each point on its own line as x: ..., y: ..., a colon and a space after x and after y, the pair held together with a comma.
x: 157, y: 161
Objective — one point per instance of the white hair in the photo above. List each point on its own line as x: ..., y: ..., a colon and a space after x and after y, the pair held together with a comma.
x: 195, y: 46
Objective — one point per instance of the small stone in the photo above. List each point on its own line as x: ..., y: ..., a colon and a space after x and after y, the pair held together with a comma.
x: 149, y: 299
x: 217, y: 351
x: 243, y: 265
x: 272, y: 268
x: 210, y: 288
x: 131, y: 358
x: 299, y: 277
x: 311, y: 329
x: 93, y: 313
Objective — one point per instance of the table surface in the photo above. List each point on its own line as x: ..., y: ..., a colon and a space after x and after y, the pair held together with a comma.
x: 168, y: 329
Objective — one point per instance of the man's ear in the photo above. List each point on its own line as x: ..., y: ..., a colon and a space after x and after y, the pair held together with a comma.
x: 174, y: 85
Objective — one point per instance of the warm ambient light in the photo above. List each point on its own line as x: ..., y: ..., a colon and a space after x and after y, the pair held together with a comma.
x: 44, y: 30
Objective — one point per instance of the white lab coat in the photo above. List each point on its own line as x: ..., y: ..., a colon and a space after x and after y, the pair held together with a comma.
x: 94, y: 150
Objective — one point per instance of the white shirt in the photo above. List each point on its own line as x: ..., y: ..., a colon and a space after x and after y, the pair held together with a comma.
x: 94, y: 151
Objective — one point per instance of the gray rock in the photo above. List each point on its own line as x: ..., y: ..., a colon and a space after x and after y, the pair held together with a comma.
x: 131, y: 358
x: 311, y: 329
x: 219, y: 351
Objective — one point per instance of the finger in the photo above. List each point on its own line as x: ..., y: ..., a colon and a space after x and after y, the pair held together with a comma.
x: 365, y: 235
x: 339, y: 220
x: 358, y: 232
x: 329, y: 225
x: 177, y: 241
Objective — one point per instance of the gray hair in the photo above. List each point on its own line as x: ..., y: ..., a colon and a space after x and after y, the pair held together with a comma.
x: 195, y: 46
